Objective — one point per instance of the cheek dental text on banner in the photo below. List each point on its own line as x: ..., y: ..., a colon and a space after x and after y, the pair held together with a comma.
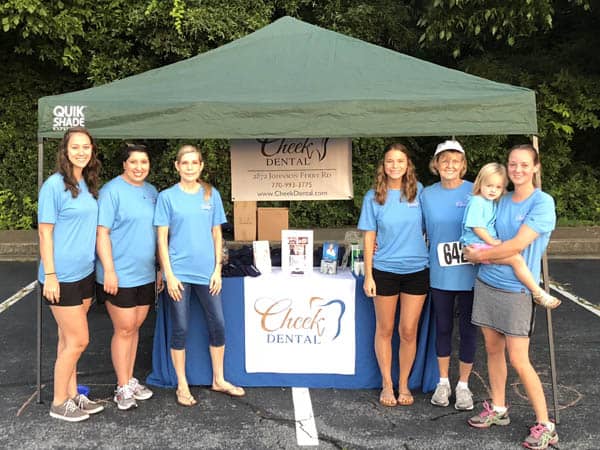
x: 302, y: 324
x: 291, y: 169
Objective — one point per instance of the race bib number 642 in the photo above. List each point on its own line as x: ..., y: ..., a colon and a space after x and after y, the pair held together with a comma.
x: 450, y: 254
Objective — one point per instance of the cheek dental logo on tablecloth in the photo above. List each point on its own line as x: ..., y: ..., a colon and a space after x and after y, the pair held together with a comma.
x: 296, y: 325
x: 67, y: 116
x: 284, y: 324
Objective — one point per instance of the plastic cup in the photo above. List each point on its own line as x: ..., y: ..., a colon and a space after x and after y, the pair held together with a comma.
x: 83, y: 390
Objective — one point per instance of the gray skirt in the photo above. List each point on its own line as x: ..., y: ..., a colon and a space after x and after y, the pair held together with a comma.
x: 510, y: 313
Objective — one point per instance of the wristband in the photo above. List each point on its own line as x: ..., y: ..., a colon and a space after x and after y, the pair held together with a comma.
x: 50, y: 273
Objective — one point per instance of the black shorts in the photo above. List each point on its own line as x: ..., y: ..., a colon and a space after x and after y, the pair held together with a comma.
x: 73, y: 293
x: 388, y: 283
x: 128, y: 297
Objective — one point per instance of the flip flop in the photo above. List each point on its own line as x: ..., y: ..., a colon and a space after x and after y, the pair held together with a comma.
x: 387, y: 398
x: 231, y: 390
x: 186, y: 400
x: 405, y: 399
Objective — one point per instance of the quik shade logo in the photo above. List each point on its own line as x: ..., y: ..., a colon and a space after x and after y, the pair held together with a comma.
x: 315, y: 321
x: 67, y: 116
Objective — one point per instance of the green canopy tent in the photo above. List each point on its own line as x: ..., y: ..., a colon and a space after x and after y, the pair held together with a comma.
x: 291, y: 79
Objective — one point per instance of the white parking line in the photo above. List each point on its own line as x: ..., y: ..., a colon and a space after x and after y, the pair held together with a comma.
x: 579, y: 300
x: 17, y: 296
x: 306, y: 429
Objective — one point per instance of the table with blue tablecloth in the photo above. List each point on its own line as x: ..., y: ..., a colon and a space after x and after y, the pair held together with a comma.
x: 366, y: 372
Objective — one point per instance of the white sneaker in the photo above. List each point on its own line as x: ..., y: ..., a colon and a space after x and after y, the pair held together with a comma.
x: 140, y: 392
x: 441, y: 395
x: 464, y: 399
x: 124, y: 398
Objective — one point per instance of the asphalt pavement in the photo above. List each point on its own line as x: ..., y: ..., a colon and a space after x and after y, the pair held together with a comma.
x: 265, y: 418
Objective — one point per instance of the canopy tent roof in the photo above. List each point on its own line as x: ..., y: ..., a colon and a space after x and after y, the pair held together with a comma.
x: 293, y: 79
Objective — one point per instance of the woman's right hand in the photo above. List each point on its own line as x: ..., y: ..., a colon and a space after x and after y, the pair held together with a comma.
x: 369, y: 286
x: 52, y: 288
x: 111, y: 282
x: 160, y: 281
x: 473, y: 254
x: 174, y: 288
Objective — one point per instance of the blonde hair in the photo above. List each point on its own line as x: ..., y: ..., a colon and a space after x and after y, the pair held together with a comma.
x: 188, y: 148
x: 434, y: 162
x: 537, y: 176
x: 409, y: 180
x: 485, y: 172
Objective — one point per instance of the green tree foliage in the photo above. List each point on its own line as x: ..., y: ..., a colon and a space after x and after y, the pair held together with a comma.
x: 13, y: 215
x: 457, y: 25
x: 52, y: 31
x: 50, y: 46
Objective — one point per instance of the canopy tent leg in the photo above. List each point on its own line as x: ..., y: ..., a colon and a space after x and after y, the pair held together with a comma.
x: 546, y: 285
x: 38, y: 290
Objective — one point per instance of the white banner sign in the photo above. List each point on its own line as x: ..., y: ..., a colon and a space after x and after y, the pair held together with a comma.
x: 300, y: 324
x: 291, y: 169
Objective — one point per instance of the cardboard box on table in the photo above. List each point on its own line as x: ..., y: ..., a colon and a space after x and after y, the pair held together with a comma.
x: 270, y: 223
x: 244, y: 221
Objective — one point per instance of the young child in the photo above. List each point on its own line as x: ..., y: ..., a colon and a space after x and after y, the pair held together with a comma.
x: 479, y: 227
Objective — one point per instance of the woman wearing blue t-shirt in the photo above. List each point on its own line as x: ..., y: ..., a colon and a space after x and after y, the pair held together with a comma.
x: 126, y: 269
x: 503, y: 306
x: 67, y: 218
x: 451, y: 276
x: 391, y: 216
x: 189, y: 217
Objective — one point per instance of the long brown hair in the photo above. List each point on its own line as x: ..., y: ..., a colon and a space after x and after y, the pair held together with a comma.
x: 188, y: 148
x: 409, y: 180
x: 91, y: 172
x: 537, y: 176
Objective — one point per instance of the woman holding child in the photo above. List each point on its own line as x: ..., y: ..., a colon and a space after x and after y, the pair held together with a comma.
x: 503, y: 306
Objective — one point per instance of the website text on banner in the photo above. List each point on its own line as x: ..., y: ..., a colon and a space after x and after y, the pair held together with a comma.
x: 300, y: 324
x: 291, y: 169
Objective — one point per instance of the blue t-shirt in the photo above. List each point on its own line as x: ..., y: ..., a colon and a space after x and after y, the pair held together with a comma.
x: 538, y: 213
x: 443, y: 211
x: 399, y: 226
x: 74, y: 234
x: 480, y: 213
x: 128, y: 211
x: 190, y: 219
